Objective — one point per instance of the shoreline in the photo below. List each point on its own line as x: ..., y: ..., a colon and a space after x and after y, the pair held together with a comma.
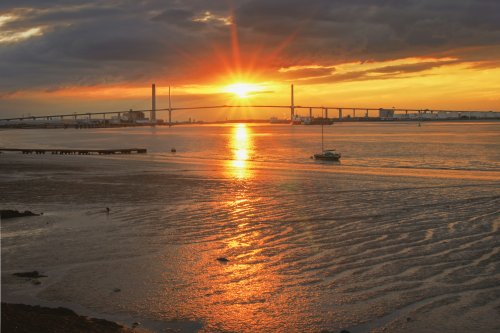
x: 240, y: 121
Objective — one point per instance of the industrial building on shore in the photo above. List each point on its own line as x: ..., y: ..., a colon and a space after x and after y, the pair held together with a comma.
x: 123, y: 119
x: 390, y: 114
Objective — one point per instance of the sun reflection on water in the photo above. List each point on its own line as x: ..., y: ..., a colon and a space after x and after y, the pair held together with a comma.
x: 241, y: 146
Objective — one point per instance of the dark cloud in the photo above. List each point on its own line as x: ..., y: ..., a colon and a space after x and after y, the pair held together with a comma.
x: 380, y: 73
x: 96, y: 42
x: 180, y: 17
x: 374, y: 30
x: 486, y: 65
x: 306, y: 73
x: 412, y: 68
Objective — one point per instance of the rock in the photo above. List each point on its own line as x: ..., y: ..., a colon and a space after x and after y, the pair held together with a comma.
x: 222, y: 259
x: 32, y: 275
x: 135, y: 324
x: 36, y: 282
x: 27, y: 318
x: 345, y: 331
x: 173, y: 150
x: 116, y: 290
x: 10, y: 214
x: 408, y: 319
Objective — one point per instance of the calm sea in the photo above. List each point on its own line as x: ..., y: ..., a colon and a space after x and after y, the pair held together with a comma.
x: 435, y: 145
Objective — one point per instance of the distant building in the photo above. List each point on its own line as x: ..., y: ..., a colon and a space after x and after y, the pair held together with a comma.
x: 134, y: 116
x: 389, y: 114
x: 130, y: 117
x: 449, y: 115
x: 386, y: 114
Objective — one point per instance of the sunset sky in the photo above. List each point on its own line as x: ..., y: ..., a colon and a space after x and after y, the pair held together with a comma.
x: 84, y: 56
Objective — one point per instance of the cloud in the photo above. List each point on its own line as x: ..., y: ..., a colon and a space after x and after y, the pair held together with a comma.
x: 337, y: 29
x: 304, y: 73
x: 85, y: 43
x: 412, y: 68
x: 373, y: 70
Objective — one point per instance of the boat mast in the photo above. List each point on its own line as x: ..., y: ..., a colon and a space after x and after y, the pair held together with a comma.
x: 322, y: 148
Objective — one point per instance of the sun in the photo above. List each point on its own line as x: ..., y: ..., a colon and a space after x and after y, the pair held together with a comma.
x: 241, y: 89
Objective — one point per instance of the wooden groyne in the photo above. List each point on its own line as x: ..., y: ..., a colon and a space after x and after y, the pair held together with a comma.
x: 78, y: 151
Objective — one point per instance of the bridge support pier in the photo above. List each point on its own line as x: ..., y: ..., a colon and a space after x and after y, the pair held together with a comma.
x: 153, y: 103
x: 169, y: 108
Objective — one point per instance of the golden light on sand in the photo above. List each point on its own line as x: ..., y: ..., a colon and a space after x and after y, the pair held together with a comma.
x: 242, y: 90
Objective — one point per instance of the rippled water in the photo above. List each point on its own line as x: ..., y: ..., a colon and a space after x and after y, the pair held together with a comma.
x: 402, y: 235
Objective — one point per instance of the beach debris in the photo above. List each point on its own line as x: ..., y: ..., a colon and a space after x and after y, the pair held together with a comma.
x: 345, y: 331
x: 135, y: 324
x: 31, y: 275
x: 107, y: 210
x: 173, y: 150
x: 117, y: 290
x: 222, y: 259
x: 408, y: 319
x: 9, y: 214
x: 36, y: 282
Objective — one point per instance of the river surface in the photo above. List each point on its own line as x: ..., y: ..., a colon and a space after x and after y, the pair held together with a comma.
x: 401, y: 235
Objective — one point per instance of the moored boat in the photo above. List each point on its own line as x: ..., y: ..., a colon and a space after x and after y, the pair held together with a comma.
x: 328, y: 155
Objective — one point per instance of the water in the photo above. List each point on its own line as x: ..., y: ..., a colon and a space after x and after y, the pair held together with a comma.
x: 468, y: 146
x: 406, y: 226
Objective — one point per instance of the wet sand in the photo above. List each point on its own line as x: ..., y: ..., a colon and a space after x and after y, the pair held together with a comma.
x: 308, y: 249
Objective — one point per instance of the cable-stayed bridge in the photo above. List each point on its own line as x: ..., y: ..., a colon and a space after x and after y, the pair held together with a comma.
x: 338, y: 112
